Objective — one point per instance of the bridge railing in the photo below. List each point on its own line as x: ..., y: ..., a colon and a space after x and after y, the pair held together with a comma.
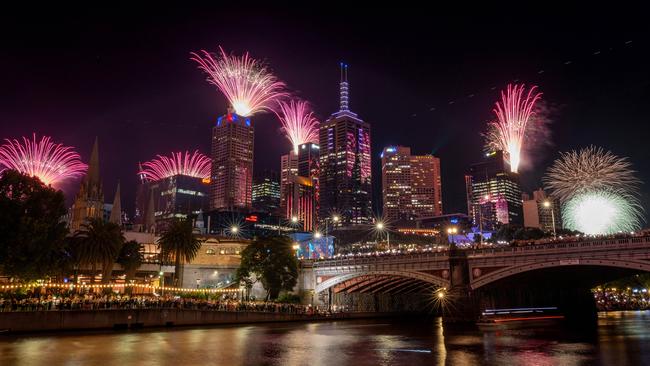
x: 382, y: 259
x: 620, y: 243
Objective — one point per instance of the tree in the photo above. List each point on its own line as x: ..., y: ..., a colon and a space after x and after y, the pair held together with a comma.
x: 101, y: 242
x: 272, y: 261
x: 130, y: 258
x: 179, y: 245
x: 31, y: 230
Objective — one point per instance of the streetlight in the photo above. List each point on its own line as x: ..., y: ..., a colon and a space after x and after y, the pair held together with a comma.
x: 318, y: 235
x: 294, y: 219
x: 380, y: 227
x: 234, y: 229
x: 548, y: 204
x: 296, y: 248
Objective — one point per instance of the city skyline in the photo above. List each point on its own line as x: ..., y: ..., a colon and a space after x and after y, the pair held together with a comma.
x: 445, y: 121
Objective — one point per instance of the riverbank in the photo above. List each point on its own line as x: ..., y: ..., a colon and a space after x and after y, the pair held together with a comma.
x: 69, y: 320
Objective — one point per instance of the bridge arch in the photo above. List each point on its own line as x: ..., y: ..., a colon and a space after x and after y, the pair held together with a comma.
x: 413, y: 275
x: 528, y: 267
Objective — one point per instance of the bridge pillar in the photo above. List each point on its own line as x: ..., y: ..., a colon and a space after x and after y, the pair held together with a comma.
x: 463, y: 306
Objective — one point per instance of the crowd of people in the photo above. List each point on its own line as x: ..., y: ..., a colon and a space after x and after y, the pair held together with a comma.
x: 116, y: 301
x: 612, y: 299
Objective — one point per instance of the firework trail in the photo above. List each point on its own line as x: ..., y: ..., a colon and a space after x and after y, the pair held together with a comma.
x: 509, y: 131
x: 52, y: 163
x: 195, y: 165
x: 298, y: 122
x: 246, y: 83
x: 598, y: 190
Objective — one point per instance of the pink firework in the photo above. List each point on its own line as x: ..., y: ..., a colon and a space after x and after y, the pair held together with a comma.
x: 298, y: 122
x: 50, y: 162
x: 195, y: 165
x: 509, y: 131
x: 246, y: 83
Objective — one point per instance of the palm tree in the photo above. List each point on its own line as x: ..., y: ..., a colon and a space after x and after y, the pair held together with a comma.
x: 130, y: 258
x: 178, y: 243
x: 101, y: 244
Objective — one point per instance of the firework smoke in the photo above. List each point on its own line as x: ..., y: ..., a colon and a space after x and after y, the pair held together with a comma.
x: 195, y: 165
x: 298, y: 122
x: 514, y: 113
x: 246, y: 83
x: 52, y: 163
x: 598, y: 190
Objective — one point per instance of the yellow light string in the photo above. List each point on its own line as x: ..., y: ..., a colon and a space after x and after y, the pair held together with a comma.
x: 123, y: 285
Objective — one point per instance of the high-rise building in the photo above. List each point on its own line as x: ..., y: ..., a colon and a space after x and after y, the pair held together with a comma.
x: 231, y: 181
x: 493, y: 193
x: 541, y: 211
x: 345, y: 165
x: 89, y: 201
x: 177, y: 196
x: 266, y: 192
x: 288, y: 169
x: 411, y: 184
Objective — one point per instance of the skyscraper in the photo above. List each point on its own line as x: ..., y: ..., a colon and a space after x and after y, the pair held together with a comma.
x: 411, y: 184
x: 345, y: 166
x: 231, y: 182
x: 288, y: 169
x: 89, y: 201
x: 493, y: 193
x: 266, y: 192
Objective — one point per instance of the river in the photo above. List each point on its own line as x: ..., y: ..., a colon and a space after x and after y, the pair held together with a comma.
x: 620, y: 338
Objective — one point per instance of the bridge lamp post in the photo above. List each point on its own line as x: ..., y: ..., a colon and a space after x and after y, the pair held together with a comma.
x: 452, y: 231
x: 547, y: 204
x: 380, y: 227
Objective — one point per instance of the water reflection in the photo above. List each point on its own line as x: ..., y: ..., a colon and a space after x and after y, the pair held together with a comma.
x: 619, y: 338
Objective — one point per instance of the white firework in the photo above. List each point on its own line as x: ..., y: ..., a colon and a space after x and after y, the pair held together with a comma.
x: 598, y: 190
x: 601, y: 212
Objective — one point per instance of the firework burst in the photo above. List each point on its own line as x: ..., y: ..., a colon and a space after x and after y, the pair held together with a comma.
x: 194, y: 165
x: 246, y: 83
x: 50, y: 162
x: 598, y: 190
x: 590, y: 169
x: 298, y: 122
x: 602, y: 212
x: 509, y: 131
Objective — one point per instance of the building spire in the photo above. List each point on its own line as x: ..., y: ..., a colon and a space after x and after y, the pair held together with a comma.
x: 116, y: 211
x: 93, y: 165
x: 150, y: 218
x: 343, y: 89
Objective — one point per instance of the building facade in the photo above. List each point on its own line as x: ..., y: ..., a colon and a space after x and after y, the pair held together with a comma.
x: 493, y: 193
x: 266, y: 192
x: 178, y: 196
x: 345, y: 185
x: 231, y: 181
x: 411, y: 184
x: 288, y: 169
x: 541, y: 211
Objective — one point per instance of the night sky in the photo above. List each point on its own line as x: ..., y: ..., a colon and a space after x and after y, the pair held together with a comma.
x: 424, y: 81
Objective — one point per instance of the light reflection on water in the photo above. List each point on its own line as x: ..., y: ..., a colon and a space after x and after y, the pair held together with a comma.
x: 620, y: 338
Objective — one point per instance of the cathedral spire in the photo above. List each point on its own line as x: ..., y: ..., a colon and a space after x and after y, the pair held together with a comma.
x: 93, y: 166
x: 116, y: 212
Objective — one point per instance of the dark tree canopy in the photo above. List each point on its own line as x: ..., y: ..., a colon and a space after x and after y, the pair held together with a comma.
x: 101, y: 242
x: 32, y: 231
x: 130, y: 258
x: 178, y: 245
x: 272, y: 261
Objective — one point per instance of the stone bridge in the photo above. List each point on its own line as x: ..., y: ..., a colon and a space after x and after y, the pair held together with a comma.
x: 472, y: 272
